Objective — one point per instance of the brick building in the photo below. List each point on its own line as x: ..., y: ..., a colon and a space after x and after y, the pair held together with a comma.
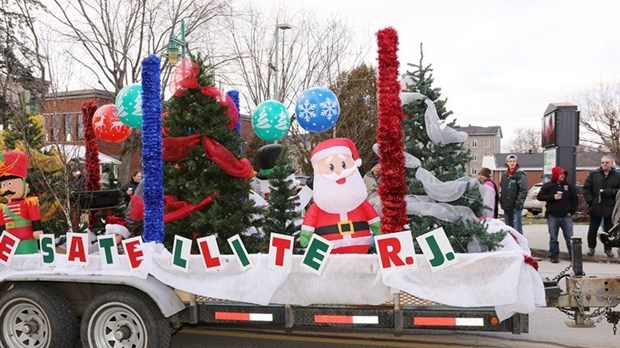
x: 63, y: 121
x: 481, y: 141
x: 532, y: 164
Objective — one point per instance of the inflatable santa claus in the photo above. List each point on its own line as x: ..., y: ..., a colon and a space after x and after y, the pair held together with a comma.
x: 340, y: 212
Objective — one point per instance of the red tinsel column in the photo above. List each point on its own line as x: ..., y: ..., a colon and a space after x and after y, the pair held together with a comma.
x: 392, y: 188
x: 91, y: 160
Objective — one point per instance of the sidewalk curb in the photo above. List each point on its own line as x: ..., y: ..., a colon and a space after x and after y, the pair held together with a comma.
x: 599, y: 257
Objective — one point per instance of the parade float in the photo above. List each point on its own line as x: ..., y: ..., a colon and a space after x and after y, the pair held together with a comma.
x: 172, y: 273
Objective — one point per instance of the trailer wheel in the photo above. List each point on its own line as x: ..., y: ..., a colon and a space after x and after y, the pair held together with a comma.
x: 33, y: 315
x: 124, y: 318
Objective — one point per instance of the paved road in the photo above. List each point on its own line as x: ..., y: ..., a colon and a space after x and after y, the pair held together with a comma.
x: 538, y: 238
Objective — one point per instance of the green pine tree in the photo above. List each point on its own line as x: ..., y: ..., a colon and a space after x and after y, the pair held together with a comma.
x: 26, y: 128
x: 280, y: 216
x: 446, y: 162
x: 48, y: 184
x: 195, y: 177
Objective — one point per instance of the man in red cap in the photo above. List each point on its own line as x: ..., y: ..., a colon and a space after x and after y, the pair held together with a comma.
x: 561, y: 198
x: 20, y: 216
x: 340, y: 212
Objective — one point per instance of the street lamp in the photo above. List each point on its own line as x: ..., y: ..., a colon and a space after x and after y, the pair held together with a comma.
x: 283, y: 27
x: 174, y: 43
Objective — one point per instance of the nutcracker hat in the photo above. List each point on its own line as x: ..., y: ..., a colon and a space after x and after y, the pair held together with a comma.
x: 13, y: 163
x: 335, y: 146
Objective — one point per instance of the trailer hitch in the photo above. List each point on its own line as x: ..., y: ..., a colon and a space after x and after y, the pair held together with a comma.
x: 584, y: 292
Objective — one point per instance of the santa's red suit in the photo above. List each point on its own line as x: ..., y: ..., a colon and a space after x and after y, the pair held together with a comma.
x: 348, y: 232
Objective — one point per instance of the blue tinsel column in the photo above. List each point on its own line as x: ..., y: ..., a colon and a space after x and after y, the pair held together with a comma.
x: 152, y: 152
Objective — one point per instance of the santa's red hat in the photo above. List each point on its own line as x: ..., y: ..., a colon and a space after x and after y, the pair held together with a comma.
x: 335, y: 146
x: 13, y: 163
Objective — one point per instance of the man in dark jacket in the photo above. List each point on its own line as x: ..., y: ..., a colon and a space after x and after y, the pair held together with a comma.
x: 561, y: 198
x: 513, y: 184
x: 599, y: 192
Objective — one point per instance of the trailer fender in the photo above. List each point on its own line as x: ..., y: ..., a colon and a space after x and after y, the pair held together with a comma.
x: 163, y: 295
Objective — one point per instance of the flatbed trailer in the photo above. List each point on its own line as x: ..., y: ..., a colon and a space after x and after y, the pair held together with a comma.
x: 54, y: 310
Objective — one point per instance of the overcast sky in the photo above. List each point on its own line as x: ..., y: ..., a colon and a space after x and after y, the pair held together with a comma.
x: 498, y: 62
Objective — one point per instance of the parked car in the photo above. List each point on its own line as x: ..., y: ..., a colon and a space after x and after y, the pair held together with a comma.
x: 532, y: 204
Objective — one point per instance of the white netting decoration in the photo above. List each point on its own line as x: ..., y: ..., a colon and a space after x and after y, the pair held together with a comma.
x: 443, y: 191
x: 438, y: 132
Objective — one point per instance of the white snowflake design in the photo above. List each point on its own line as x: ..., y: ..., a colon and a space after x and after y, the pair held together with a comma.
x: 328, y: 108
x: 307, y: 110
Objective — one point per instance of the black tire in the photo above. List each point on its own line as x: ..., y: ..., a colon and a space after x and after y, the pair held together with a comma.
x: 124, y: 317
x: 33, y: 315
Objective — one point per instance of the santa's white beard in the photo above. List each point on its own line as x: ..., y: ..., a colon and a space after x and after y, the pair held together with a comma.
x: 339, y: 198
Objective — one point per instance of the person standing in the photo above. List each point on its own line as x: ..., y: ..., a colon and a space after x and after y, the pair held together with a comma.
x: 513, y: 186
x: 490, y: 198
x: 132, y: 185
x: 599, y: 191
x: 561, y: 198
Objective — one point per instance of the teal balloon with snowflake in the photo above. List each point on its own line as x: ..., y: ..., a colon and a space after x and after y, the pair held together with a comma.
x: 129, y: 105
x: 271, y: 120
x: 317, y: 109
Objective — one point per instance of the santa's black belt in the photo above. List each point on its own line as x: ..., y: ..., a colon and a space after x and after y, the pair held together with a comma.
x: 343, y: 227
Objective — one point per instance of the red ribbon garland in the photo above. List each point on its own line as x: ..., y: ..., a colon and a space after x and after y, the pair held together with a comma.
x: 392, y: 188
x: 530, y: 261
x: 91, y: 158
x: 175, y: 209
x: 177, y: 148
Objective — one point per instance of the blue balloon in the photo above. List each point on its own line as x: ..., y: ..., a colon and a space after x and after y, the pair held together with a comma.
x: 317, y: 109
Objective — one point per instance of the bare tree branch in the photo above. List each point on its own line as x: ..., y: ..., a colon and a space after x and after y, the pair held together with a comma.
x: 600, y: 115
x: 525, y: 140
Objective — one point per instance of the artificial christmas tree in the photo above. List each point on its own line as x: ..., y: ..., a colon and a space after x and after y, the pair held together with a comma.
x: 446, y: 162
x: 281, y: 214
x: 200, y: 161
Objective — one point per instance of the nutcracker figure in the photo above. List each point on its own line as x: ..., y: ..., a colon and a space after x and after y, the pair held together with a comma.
x: 20, y: 215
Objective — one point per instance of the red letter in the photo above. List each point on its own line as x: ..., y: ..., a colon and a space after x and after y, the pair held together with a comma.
x: 206, y: 255
x: 76, y: 249
x: 135, y: 256
x: 7, y: 244
x: 389, y: 248
x: 281, y: 245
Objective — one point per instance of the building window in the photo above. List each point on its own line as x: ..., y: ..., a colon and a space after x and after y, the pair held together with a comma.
x: 80, y: 127
x: 56, y: 123
x: 474, y: 143
x: 487, y: 142
x: 68, y: 118
x: 487, y: 154
x: 474, y: 171
x: 475, y: 157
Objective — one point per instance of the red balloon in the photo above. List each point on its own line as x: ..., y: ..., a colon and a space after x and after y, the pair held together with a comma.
x: 184, y: 77
x: 108, y: 127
